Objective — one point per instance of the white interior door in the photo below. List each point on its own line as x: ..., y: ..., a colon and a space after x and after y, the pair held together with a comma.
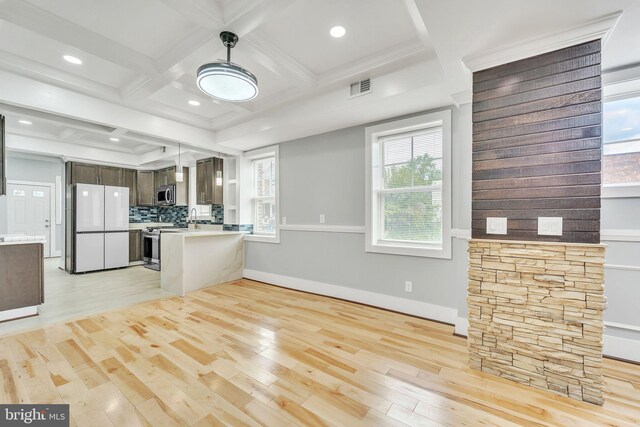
x: 29, y: 212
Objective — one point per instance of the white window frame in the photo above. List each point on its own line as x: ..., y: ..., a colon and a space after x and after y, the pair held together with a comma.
x: 373, y: 185
x: 250, y: 204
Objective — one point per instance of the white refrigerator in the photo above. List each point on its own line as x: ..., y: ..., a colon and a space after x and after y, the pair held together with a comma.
x: 101, y: 233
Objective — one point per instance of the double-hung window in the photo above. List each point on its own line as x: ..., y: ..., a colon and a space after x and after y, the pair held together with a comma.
x: 264, y: 195
x: 408, y: 186
x: 621, y: 161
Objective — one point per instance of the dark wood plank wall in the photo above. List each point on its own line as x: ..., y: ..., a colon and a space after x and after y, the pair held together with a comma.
x: 537, y: 145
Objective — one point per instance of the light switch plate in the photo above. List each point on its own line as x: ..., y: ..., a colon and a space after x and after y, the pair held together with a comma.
x: 321, y: 218
x: 496, y: 225
x: 284, y: 220
x: 550, y: 226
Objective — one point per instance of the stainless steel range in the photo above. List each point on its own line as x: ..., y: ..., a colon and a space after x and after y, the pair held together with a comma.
x: 151, y: 248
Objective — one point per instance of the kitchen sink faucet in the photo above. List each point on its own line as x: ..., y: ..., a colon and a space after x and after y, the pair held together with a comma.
x: 193, y: 217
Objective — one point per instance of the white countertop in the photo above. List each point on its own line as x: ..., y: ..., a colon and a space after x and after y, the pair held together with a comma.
x: 20, y: 239
x: 143, y: 225
x: 203, y: 233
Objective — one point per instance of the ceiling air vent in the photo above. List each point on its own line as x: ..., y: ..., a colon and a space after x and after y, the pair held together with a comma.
x: 360, y: 88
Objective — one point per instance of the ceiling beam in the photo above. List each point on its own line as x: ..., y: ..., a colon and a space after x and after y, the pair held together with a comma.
x: 33, y: 18
x: 270, y: 56
x: 25, y: 92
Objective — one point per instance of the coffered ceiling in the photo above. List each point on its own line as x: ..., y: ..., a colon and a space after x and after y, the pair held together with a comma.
x: 139, y: 60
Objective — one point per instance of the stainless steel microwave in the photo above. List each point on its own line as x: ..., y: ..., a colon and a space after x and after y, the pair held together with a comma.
x: 166, y: 195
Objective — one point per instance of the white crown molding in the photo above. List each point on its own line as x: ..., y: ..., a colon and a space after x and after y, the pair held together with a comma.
x: 461, y: 98
x: 403, y: 305
x: 597, y: 29
x: 206, y: 14
x: 401, y: 53
x: 358, y: 229
x: 276, y: 60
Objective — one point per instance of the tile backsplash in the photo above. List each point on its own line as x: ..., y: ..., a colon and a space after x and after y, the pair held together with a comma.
x: 177, y: 215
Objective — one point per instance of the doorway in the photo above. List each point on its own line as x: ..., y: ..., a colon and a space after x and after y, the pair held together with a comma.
x: 29, y: 212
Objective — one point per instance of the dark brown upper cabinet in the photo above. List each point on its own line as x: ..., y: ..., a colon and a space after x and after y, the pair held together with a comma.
x: 130, y: 181
x: 112, y: 176
x: 209, y: 188
x: 146, y: 188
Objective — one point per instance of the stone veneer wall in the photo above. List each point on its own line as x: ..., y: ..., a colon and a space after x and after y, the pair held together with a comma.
x: 535, y: 314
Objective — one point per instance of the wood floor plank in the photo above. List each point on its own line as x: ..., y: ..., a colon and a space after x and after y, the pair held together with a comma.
x: 250, y: 354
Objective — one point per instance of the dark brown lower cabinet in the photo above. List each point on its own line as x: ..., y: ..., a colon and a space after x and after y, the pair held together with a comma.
x: 135, y: 245
x: 22, y: 275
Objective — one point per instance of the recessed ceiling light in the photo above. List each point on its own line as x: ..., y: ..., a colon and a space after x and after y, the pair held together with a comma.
x: 337, y: 31
x: 627, y: 129
x: 24, y: 122
x: 72, y: 59
x: 114, y: 139
x: 194, y: 103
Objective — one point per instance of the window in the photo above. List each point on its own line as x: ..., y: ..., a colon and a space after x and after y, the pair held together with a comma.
x: 259, y: 199
x: 621, y: 161
x: 264, y: 195
x: 408, y: 186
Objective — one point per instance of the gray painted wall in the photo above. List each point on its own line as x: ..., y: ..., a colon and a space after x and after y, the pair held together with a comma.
x: 622, y: 286
x: 34, y: 169
x: 324, y: 174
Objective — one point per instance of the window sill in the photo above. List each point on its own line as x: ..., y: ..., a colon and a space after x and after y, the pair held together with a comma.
x: 262, y: 238
x: 417, y: 251
x: 620, y: 191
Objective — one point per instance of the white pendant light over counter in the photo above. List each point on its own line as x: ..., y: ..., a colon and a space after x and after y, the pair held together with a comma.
x: 179, y: 174
x: 225, y: 80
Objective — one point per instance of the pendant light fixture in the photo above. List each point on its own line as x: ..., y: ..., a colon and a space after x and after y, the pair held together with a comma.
x: 179, y: 174
x: 225, y: 80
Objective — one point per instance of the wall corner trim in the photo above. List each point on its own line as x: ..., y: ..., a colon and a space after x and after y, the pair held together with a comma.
x: 403, y: 305
x: 599, y: 28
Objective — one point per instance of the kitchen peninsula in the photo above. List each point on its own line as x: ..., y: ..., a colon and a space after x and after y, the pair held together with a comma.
x: 193, y: 260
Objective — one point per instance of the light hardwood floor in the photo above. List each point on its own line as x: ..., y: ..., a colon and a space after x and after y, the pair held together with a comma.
x: 69, y: 296
x: 247, y: 353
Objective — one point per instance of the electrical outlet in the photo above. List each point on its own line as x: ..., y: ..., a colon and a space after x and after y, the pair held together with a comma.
x: 321, y: 218
x: 284, y: 220
x: 408, y: 286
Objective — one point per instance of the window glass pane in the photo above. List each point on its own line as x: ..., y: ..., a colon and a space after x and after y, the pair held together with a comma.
x: 413, y: 161
x: 621, y: 120
x: 265, y: 216
x: 397, y: 176
x: 621, y: 124
x: 264, y: 175
x: 264, y: 192
x: 413, y: 216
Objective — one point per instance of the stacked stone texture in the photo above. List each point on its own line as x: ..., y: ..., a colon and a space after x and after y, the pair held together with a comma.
x: 535, y: 314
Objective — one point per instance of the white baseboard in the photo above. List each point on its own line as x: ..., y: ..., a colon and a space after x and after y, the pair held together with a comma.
x: 462, y: 326
x: 403, y: 305
x: 622, y: 348
x: 18, y: 312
